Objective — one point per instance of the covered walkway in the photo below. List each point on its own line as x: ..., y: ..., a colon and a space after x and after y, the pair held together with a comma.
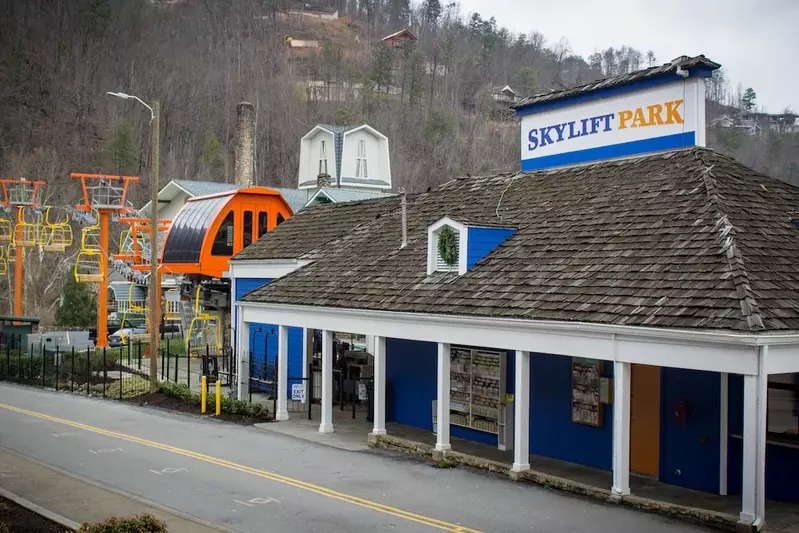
x: 696, y: 506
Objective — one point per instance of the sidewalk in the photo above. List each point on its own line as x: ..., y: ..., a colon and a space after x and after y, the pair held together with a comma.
x: 79, y: 500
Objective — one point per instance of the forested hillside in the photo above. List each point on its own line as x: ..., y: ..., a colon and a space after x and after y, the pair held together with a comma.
x: 433, y: 98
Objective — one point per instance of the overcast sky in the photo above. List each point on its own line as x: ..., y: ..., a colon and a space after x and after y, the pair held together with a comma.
x: 756, y: 41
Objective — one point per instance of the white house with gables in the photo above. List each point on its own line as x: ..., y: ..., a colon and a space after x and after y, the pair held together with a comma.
x: 355, y: 157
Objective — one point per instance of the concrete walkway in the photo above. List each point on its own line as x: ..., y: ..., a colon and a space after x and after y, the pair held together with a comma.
x: 647, y: 493
x: 77, y: 499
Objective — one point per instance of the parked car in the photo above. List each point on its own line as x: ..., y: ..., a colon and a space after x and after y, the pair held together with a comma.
x: 121, y: 336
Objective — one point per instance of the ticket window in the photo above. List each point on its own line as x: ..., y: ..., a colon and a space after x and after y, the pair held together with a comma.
x: 263, y: 223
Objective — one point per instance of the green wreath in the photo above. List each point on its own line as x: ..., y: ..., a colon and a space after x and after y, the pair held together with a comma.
x: 447, y: 245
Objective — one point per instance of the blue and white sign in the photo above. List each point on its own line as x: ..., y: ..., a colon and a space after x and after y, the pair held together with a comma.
x: 666, y: 116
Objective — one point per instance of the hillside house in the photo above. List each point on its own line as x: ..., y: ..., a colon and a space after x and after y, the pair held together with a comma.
x: 399, y: 38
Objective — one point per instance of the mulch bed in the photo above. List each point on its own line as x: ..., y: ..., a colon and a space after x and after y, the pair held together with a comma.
x: 163, y: 401
x: 17, y: 519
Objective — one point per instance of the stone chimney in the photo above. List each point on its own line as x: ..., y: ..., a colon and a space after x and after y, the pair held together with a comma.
x: 244, y: 145
x: 323, y: 181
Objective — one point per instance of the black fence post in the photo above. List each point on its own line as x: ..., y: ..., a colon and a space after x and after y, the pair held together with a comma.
x: 57, y: 354
x: 167, y: 364
x: 19, y: 363
x: 341, y: 389
x: 88, y: 371
x: 8, y: 361
x: 309, y: 393
x: 129, y: 346
x: 162, y: 359
x: 30, y: 364
x: 44, y: 363
x: 352, y: 397
x: 105, y: 372
x: 72, y: 373
x: 249, y: 381
x: 177, y: 360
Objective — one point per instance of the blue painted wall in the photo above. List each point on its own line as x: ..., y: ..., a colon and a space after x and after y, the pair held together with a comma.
x: 782, y: 462
x: 552, y: 432
x: 411, y: 372
x: 411, y: 378
x: 689, y: 451
x: 483, y: 241
x: 263, y: 342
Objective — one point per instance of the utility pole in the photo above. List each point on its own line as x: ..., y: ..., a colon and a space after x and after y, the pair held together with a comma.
x: 155, y: 288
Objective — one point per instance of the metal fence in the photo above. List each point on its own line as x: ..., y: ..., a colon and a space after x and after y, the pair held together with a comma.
x: 120, y: 372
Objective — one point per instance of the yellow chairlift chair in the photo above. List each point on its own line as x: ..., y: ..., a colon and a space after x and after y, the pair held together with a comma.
x: 3, y: 262
x: 55, y: 236
x: 6, y: 230
x: 204, y: 330
x: 89, y: 267
x: 26, y: 234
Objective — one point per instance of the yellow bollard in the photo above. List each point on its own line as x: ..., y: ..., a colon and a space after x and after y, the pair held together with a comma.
x: 218, y: 397
x: 203, y: 394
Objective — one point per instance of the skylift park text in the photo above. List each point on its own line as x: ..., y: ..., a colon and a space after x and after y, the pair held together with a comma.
x: 641, y: 117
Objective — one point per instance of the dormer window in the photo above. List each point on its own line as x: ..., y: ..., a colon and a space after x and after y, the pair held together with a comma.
x: 322, y: 157
x: 447, y: 248
x: 456, y: 247
x: 360, y: 162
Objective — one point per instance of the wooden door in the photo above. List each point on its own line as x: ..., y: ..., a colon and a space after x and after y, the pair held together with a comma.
x: 645, y: 420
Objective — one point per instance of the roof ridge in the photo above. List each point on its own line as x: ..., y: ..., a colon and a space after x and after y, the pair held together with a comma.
x: 731, y: 253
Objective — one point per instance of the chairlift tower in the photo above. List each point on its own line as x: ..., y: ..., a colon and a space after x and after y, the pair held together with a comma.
x: 106, y: 195
x: 18, y: 195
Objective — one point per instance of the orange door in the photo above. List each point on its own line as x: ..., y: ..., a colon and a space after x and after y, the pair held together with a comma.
x: 645, y: 420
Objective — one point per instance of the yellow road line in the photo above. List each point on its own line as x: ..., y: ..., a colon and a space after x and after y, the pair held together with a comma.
x: 368, y: 504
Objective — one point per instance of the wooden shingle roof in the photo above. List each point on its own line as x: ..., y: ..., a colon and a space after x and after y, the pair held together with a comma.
x: 687, y: 239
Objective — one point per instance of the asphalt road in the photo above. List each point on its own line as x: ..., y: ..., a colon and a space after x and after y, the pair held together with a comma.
x: 245, y: 479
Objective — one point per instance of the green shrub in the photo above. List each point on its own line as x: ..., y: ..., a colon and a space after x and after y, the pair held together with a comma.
x: 14, y: 365
x: 229, y: 405
x: 136, y: 524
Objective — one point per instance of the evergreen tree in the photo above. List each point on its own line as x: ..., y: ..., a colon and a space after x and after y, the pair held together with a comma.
x: 416, y: 72
x: 526, y: 81
x: 382, y: 65
x: 431, y: 10
x: 748, y: 99
x: 212, y: 162
x: 78, y: 305
x: 120, y: 153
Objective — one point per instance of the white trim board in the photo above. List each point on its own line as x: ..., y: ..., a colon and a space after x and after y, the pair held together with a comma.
x: 270, y: 268
x: 709, y: 351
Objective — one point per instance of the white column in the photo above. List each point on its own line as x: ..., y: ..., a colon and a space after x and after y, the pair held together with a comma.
x: 621, y: 429
x: 326, y: 426
x: 753, y: 493
x: 243, y: 356
x: 307, y: 354
x: 379, y: 347
x: 282, y: 372
x: 521, y: 413
x: 442, y: 413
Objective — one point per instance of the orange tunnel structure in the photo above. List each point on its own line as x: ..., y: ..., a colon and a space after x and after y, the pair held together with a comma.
x: 210, y: 229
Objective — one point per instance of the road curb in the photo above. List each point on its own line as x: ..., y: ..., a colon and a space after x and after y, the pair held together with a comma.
x: 39, y: 510
x: 684, y: 513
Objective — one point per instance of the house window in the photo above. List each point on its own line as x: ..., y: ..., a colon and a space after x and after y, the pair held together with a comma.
x: 783, y: 405
x: 323, y: 158
x: 280, y: 219
x: 223, y: 241
x: 361, y: 170
x: 247, y: 229
x: 447, y: 249
x: 263, y: 223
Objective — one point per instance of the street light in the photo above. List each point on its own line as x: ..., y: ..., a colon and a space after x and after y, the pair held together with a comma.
x: 125, y: 96
x: 155, y: 290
